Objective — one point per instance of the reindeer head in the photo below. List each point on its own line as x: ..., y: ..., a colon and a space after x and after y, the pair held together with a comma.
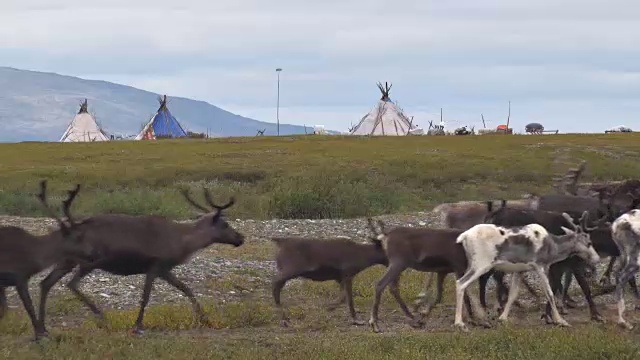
x: 72, y: 234
x: 212, y: 221
x: 581, y: 239
x: 613, y: 205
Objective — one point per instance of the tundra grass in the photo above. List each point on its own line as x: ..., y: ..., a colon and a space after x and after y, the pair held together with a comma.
x: 247, y: 328
x: 305, y: 176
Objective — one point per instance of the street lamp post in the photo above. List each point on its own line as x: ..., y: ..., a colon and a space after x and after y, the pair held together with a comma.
x: 278, y: 70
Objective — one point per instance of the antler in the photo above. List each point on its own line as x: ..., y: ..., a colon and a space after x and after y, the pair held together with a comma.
x: 66, y: 205
x: 372, y: 226
x: 568, y: 183
x: 381, y: 226
x: 42, y: 196
x: 207, y: 197
x: 570, y: 220
x: 583, y: 222
x: 185, y: 194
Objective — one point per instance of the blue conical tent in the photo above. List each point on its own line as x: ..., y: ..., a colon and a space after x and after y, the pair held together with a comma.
x: 162, y: 124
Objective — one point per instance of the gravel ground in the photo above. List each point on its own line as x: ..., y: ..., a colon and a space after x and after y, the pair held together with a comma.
x: 124, y: 292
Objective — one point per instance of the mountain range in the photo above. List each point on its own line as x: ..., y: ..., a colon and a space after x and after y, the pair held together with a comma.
x: 38, y: 106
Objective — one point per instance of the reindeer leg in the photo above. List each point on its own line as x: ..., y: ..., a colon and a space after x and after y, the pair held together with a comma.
x: 422, y: 297
x: 138, y: 328
x: 393, y: 271
x: 276, y: 288
x: 439, y: 289
x: 482, y: 289
x: 462, y: 283
x: 22, y: 286
x: 634, y: 288
x: 348, y: 289
x: 341, y: 299
x: 45, y: 286
x: 73, y: 285
x: 586, y: 290
x: 628, y: 271
x: 172, y: 280
x: 513, y: 295
x: 566, y: 298
x: 605, y: 280
x: 3, y: 302
x: 394, y: 289
x: 555, y: 282
x: 550, y: 297
x: 529, y: 288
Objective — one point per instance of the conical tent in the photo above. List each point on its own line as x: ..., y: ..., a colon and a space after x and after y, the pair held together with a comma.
x: 83, y: 127
x: 386, y: 118
x: 162, y: 124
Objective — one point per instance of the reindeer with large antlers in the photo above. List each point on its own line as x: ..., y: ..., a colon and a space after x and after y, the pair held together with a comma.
x: 23, y: 255
x: 145, y: 244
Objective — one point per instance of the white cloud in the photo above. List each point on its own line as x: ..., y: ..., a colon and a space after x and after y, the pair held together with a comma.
x: 554, y: 58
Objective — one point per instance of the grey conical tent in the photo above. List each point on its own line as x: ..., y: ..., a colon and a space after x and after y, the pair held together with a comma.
x: 386, y: 118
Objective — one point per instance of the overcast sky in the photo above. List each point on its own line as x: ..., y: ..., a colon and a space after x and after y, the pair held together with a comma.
x: 572, y: 65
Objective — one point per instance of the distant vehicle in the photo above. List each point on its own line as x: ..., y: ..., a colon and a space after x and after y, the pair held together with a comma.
x: 503, y: 129
x: 534, y: 128
x: 620, y: 128
x: 464, y: 131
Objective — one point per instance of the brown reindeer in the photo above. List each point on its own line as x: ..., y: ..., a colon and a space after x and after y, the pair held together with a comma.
x: 144, y: 244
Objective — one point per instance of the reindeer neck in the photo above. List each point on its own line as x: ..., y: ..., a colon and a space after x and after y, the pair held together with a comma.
x: 193, y: 237
x: 562, y: 247
x: 49, y: 248
x: 373, y: 254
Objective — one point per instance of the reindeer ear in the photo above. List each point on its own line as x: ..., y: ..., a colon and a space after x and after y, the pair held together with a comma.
x: 216, y: 216
x: 567, y: 231
x: 568, y: 218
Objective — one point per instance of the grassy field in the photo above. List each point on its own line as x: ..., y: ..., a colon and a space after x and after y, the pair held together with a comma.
x: 308, y: 177
x: 248, y: 328
x: 304, y: 176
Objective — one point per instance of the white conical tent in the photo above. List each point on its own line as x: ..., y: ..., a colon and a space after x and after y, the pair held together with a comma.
x: 386, y: 118
x: 83, y: 128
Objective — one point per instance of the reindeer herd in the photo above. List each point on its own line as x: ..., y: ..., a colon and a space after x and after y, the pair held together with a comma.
x: 557, y: 237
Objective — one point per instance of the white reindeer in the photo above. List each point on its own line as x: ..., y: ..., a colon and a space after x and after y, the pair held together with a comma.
x: 625, y: 232
x: 517, y: 250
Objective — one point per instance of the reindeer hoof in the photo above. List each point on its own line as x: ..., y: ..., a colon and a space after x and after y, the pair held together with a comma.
x: 625, y: 325
x: 605, y: 282
x: 462, y: 327
x: 570, y: 303
x: 517, y: 303
x: 484, y: 323
x: 136, y: 331
x: 597, y: 318
x: 547, y: 319
x: 41, y: 336
x: 374, y: 326
x: 355, y: 322
x: 416, y: 323
x: 562, y: 310
x: 204, y: 321
x: 101, y: 322
x: 562, y: 322
x: 284, y: 323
